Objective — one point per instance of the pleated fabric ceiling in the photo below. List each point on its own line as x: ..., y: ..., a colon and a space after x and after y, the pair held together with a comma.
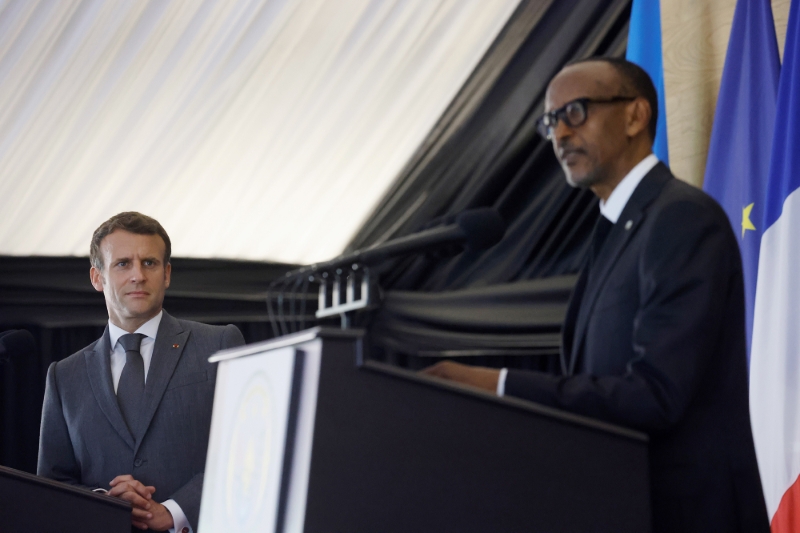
x: 256, y: 129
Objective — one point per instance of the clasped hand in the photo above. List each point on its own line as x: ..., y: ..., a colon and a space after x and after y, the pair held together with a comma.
x: 146, y: 512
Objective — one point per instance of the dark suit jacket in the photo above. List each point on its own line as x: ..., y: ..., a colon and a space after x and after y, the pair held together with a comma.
x: 85, y: 441
x: 654, y: 340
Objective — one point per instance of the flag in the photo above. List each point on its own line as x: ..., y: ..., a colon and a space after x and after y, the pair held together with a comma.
x: 775, y: 352
x: 741, y: 139
x: 644, y: 49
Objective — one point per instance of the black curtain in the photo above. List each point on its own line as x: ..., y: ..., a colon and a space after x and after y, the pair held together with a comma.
x: 503, y: 306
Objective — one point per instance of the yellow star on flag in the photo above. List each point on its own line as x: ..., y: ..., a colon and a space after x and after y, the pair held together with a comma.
x: 746, y: 224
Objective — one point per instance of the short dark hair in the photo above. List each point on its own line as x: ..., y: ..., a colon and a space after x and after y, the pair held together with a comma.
x: 132, y: 222
x: 635, y: 80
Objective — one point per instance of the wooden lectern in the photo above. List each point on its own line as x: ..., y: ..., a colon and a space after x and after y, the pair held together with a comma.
x: 31, y: 503
x: 309, y: 436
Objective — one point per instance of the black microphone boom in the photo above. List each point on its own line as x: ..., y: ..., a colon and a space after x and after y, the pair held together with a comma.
x: 475, y: 229
x: 344, y: 282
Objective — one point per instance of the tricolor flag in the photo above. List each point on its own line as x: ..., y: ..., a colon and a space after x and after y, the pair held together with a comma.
x: 741, y: 140
x: 644, y: 49
x: 775, y: 351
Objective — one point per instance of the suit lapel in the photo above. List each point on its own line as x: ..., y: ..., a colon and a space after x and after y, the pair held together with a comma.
x: 162, y: 366
x: 570, y: 319
x: 98, y: 365
x: 623, y: 231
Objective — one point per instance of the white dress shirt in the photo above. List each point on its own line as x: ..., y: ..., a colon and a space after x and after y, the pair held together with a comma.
x: 150, y: 330
x: 611, y: 209
x: 618, y: 199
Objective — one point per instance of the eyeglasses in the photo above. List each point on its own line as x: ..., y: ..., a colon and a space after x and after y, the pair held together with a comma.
x: 573, y: 114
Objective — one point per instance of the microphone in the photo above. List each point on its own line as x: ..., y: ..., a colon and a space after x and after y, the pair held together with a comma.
x: 475, y: 229
x: 16, y: 343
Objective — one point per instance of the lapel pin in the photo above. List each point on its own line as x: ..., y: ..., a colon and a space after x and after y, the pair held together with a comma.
x: 176, y: 345
x: 628, y: 224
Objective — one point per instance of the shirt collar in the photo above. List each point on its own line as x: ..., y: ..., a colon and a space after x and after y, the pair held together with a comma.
x: 149, y: 328
x: 612, y: 208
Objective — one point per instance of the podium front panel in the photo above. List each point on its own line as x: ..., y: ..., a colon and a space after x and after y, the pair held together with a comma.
x: 259, y: 451
x: 396, y: 452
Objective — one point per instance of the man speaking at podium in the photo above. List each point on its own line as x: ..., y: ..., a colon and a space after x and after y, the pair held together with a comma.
x: 654, y: 334
x: 130, y: 413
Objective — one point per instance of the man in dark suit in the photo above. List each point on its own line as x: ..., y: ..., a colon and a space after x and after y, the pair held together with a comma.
x: 130, y: 414
x: 654, y: 333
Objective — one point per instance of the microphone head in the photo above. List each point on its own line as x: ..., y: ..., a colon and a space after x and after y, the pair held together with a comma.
x: 16, y: 343
x: 483, y: 227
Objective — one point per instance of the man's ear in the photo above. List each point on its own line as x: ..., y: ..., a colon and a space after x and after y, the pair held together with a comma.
x: 97, y: 279
x: 167, y: 275
x: 639, y: 114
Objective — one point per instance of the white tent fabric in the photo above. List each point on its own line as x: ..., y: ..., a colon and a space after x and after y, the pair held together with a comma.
x: 252, y: 129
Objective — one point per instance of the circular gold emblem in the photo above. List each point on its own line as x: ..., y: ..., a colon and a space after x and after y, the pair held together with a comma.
x: 250, y: 453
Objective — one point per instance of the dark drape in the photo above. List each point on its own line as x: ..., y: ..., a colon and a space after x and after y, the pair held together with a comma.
x: 511, y: 298
x: 56, y: 292
x: 512, y: 325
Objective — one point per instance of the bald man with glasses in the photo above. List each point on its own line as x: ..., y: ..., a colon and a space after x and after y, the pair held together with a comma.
x: 654, y: 334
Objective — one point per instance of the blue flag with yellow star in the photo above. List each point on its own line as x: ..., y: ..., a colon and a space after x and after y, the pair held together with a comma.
x: 737, y: 169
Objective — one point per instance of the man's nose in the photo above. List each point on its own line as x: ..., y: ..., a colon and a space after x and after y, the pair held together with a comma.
x: 137, y: 272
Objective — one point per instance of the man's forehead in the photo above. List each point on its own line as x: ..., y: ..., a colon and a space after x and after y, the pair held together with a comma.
x: 592, y: 79
x: 122, y: 241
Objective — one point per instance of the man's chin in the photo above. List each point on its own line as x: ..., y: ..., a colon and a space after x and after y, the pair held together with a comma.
x: 578, y: 182
x: 141, y: 311
x: 577, y: 179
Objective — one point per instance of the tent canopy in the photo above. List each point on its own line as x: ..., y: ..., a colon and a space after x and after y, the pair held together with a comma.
x: 255, y: 129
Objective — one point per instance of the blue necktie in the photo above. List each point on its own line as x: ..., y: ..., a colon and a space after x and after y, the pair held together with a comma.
x: 130, y: 389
